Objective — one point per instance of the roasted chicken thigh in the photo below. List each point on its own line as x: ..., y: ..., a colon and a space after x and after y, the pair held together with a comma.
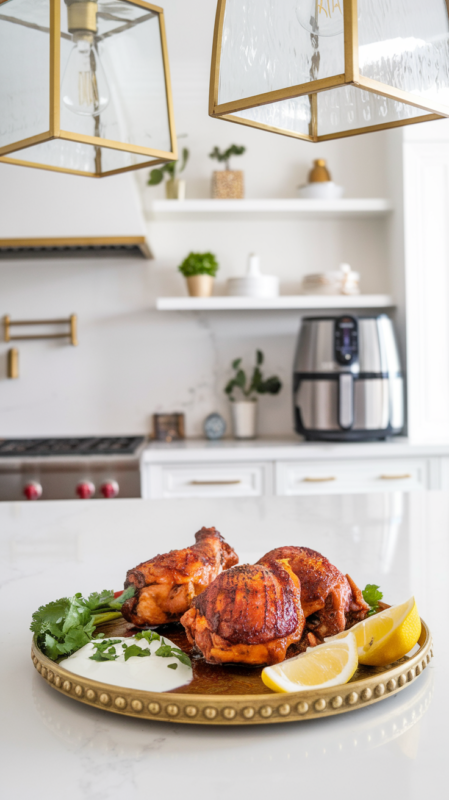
x: 331, y: 601
x: 167, y: 584
x: 248, y: 615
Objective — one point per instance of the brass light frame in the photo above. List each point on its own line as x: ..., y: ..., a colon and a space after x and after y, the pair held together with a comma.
x: 54, y: 129
x: 350, y: 77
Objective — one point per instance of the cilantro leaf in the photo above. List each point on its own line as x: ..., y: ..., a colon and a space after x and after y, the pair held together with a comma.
x: 167, y: 651
x: 150, y: 636
x: 164, y: 651
x: 105, y: 651
x: 52, y: 647
x: 134, y: 651
x: 76, y: 638
x: 183, y: 658
x: 99, y: 599
x: 372, y: 595
x: 51, y: 614
x: 172, y: 666
x: 78, y: 613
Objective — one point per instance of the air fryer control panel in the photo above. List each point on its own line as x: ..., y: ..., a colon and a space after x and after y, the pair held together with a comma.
x: 346, y: 340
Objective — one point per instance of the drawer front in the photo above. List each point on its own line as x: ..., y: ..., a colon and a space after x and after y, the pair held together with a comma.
x: 206, y: 480
x: 350, y: 477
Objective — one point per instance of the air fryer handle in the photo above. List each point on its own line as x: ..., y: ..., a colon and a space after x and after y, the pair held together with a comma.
x: 346, y: 401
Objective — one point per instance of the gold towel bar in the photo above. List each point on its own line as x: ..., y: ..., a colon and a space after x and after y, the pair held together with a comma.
x: 71, y: 334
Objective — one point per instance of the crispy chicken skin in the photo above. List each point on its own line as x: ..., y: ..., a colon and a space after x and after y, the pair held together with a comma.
x: 248, y: 615
x: 333, y: 599
x: 167, y: 584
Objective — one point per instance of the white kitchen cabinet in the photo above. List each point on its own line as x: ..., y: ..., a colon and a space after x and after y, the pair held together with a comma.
x: 196, y: 468
x: 350, y: 477
x: 207, y: 480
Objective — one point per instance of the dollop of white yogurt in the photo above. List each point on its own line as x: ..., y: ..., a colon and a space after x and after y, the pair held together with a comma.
x: 150, y: 674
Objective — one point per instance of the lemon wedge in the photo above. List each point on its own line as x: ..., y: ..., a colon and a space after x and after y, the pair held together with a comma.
x: 330, y: 664
x: 388, y: 636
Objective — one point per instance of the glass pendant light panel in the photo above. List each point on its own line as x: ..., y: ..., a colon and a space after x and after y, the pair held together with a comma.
x: 79, y: 157
x: 294, y: 116
x: 24, y: 69
x: 349, y: 108
x: 405, y: 44
x: 268, y: 45
x: 113, y: 85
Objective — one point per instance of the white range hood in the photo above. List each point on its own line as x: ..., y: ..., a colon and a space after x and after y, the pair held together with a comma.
x: 42, y: 210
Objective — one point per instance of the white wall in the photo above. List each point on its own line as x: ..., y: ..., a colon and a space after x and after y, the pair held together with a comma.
x: 133, y: 361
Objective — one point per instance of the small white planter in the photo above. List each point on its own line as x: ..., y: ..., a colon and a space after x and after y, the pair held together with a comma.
x: 244, y: 419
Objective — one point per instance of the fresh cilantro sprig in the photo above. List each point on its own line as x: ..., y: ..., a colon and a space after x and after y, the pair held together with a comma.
x: 372, y: 596
x: 64, y: 626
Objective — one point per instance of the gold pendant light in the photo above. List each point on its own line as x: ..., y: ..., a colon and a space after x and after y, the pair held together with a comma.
x: 325, y: 69
x: 85, y: 86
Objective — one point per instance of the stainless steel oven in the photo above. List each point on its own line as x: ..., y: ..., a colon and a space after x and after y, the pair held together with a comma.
x: 69, y: 468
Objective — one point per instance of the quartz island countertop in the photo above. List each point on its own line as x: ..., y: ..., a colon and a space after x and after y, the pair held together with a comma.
x: 51, y: 744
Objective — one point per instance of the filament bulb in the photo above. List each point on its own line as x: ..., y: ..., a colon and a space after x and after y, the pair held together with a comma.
x: 84, y: 88
x: 321, y: 17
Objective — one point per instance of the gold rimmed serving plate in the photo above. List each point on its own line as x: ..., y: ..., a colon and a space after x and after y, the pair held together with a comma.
x: 225, y: 696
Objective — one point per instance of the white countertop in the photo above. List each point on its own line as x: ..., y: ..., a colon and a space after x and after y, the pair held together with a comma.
x: 51, y: 744
x: 290, y: 449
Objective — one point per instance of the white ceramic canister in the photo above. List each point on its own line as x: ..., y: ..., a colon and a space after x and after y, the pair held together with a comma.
x: 244, y: 418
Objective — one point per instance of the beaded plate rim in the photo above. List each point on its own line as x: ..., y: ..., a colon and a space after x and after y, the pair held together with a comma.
x: 237, y: 709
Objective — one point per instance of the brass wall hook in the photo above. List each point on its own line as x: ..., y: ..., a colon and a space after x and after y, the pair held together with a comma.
x: 13, y: 363
x: 71, y: 334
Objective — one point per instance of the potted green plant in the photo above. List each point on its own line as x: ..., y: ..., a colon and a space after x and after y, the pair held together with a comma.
x: 175, y: 188
x: 199, y: 269
x: 227, y: 184
x: 244, y: 409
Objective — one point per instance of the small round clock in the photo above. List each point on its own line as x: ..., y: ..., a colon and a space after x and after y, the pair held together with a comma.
x: 214, y: 427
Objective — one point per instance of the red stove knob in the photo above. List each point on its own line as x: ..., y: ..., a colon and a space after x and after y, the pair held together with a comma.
x: 32, y: 490
x: 85, y: 490
x: 110, y: 489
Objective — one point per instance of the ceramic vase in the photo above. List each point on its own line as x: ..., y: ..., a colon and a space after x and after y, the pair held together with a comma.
x: 244, y: 419
x: 175, y: 189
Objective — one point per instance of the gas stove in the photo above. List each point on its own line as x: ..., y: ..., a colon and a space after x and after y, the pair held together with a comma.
x: 80, y: 446
x: 68, y: 468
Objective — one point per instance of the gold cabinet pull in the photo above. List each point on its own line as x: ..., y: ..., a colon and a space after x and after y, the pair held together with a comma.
x: 318, y: 480
x: 214, y: 483
x: 395, y: 477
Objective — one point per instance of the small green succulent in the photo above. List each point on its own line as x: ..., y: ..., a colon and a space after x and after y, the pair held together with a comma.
x: 225, y: 155
x: 257, y: 384
x: 172, y: 169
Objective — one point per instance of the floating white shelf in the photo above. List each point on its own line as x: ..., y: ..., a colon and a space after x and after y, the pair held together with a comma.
x: 162, y: 210
x: 292, y: 302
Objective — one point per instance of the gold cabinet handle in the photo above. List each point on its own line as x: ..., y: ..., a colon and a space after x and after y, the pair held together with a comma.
x: 214, y: 483
x: 318, y: 480
x: 395, y: 477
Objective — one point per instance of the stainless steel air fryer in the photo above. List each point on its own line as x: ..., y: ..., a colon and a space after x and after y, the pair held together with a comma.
x: 348, y: 384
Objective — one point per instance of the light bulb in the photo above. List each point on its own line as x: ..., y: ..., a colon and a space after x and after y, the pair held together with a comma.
x: 84, y: 88
x: 321, y: 17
